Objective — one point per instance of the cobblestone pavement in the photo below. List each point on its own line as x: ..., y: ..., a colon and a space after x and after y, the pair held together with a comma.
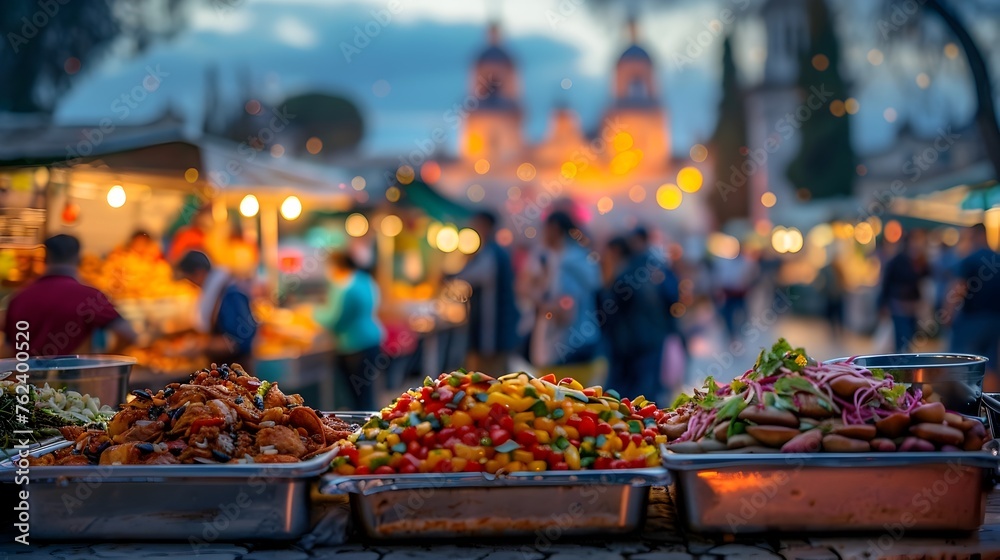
x: 659, y: 540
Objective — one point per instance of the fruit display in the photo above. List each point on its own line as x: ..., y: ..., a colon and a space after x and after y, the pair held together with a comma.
x: 470, y: 422
x: 788, y: 402
x: 125, y: 275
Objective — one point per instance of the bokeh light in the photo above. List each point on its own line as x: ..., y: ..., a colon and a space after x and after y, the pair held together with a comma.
x: 392, y: 194
x: 526, y: 171
x: 430, y: 172
x: 405, y: 174
x: 668, y: 196
x: 689, y: 179
x: 768, y: 199
x: 468, y: 241
x: 482, y: 166
x: 605, y: 205
x: 391, y: 225
x: 116, y: 196
x: 291, y: 208
x: 637, y: 193
x: 314, y: 145
x: 249, y: 206
x: 191, y: 175
x: 356, y: 225
x: 476, y: 193
x: 447, y: 239
x: 699, y: 153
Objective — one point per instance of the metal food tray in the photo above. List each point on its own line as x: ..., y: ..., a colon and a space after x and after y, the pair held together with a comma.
x: 194, y: 503
x: 432, y: 505
x: 832, y: 492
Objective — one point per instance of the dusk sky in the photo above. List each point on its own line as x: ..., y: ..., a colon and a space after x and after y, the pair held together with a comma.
x: 417, y: 66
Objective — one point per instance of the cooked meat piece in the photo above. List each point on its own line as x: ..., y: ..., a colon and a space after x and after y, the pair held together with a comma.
x: 335, y: 429
x: 70, y: 433
x: 124, y: 419
x: 73, y: 460
x: 142, y: 430
x: 159, y: 459
x: 274, y: 397
x: 283, y: 438
x: 125, y: 454
x: 222, y: 410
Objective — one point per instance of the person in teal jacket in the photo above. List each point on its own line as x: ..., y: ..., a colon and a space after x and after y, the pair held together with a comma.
x: 349, y: 314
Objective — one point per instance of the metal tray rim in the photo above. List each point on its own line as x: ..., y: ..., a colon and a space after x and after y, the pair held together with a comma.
x: 366, y: 485
x: 692, y: 462
x: 140, y: 473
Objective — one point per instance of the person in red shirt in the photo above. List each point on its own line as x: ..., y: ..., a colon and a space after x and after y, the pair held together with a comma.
x: 60, y: 313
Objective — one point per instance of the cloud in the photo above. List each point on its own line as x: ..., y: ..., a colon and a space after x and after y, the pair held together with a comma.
x: 293, y: 32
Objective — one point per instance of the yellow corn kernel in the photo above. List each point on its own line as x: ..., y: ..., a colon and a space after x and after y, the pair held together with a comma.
x: 616, y: 442
x: 572, y: 456
x: 460, y: 418
x: 523, y: 456
x: 514, y: 466
x: 435, y: 456
x: 574, y: 384
x: 660, y: 439
x: 524, y: 417
x: 537, y: 466
x: 479, y: 411
x: 544, y: 424
x: 521, y: 426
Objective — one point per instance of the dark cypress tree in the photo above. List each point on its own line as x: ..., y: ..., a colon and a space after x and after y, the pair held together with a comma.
x: 730, y: 198
x: 825, y: 165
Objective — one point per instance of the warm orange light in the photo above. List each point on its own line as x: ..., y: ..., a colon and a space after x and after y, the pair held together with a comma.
x: 852, y: 106
x: 820, y: 62
x: 191, y: 175
x: 923, y: 80
x: 405, y: 174
x: 837, y: 108
x: 893, y: 231
x: 689, y: 179
x: 624, y: 162
x: 482, y: 166
x: 669, y: 197
x: 889, y: 115
x: 622, y: 141
x: 605, y: 205
x: 768, y: 199
x: 314, y: 145
x: 430, y: 172
x: 392, y: 194
x: 526, y: 171
x: 505, y: 237
x: 875, y: 57
x: 569, y: 170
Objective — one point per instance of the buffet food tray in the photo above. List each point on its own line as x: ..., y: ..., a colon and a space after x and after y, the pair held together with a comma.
x: 832, y: 492
x: 549, y: 504
x: 194, y: 503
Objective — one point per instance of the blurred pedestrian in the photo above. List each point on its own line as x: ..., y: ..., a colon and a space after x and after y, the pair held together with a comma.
x: 223, y: 317
x: 673, y: 364
x: 732, y: 279
x: 900, y: 295
x: 493, y: 314
x: 637, y: 326
x: 566, y: 330
x: 832, y: 285
x: 192, y: 237
x: 976, y: 293
x: 349, y: 315
x: 57, y: 313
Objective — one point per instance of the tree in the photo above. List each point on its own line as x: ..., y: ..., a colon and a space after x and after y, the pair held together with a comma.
x: 335, y: 120
x: 43, y: 48
x: 826, y: 164
x: 46, y: 44
x: 729, y: 141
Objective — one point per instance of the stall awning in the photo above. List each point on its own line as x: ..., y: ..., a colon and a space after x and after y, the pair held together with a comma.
x: 421, y: 195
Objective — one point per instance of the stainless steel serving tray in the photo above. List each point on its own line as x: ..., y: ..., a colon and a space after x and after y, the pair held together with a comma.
x: 832, y: 492
x: 198, y: 504
x: 408, y: 506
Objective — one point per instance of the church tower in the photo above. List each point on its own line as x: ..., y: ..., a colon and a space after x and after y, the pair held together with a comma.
x: 493, y: 125
x: 636, y: 108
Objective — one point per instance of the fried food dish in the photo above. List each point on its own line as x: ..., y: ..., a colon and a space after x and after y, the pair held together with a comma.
x: 222, y: 415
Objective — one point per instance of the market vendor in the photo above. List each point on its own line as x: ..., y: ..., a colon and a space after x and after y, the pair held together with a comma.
x: 59, y: 313
x: 223, y: 312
